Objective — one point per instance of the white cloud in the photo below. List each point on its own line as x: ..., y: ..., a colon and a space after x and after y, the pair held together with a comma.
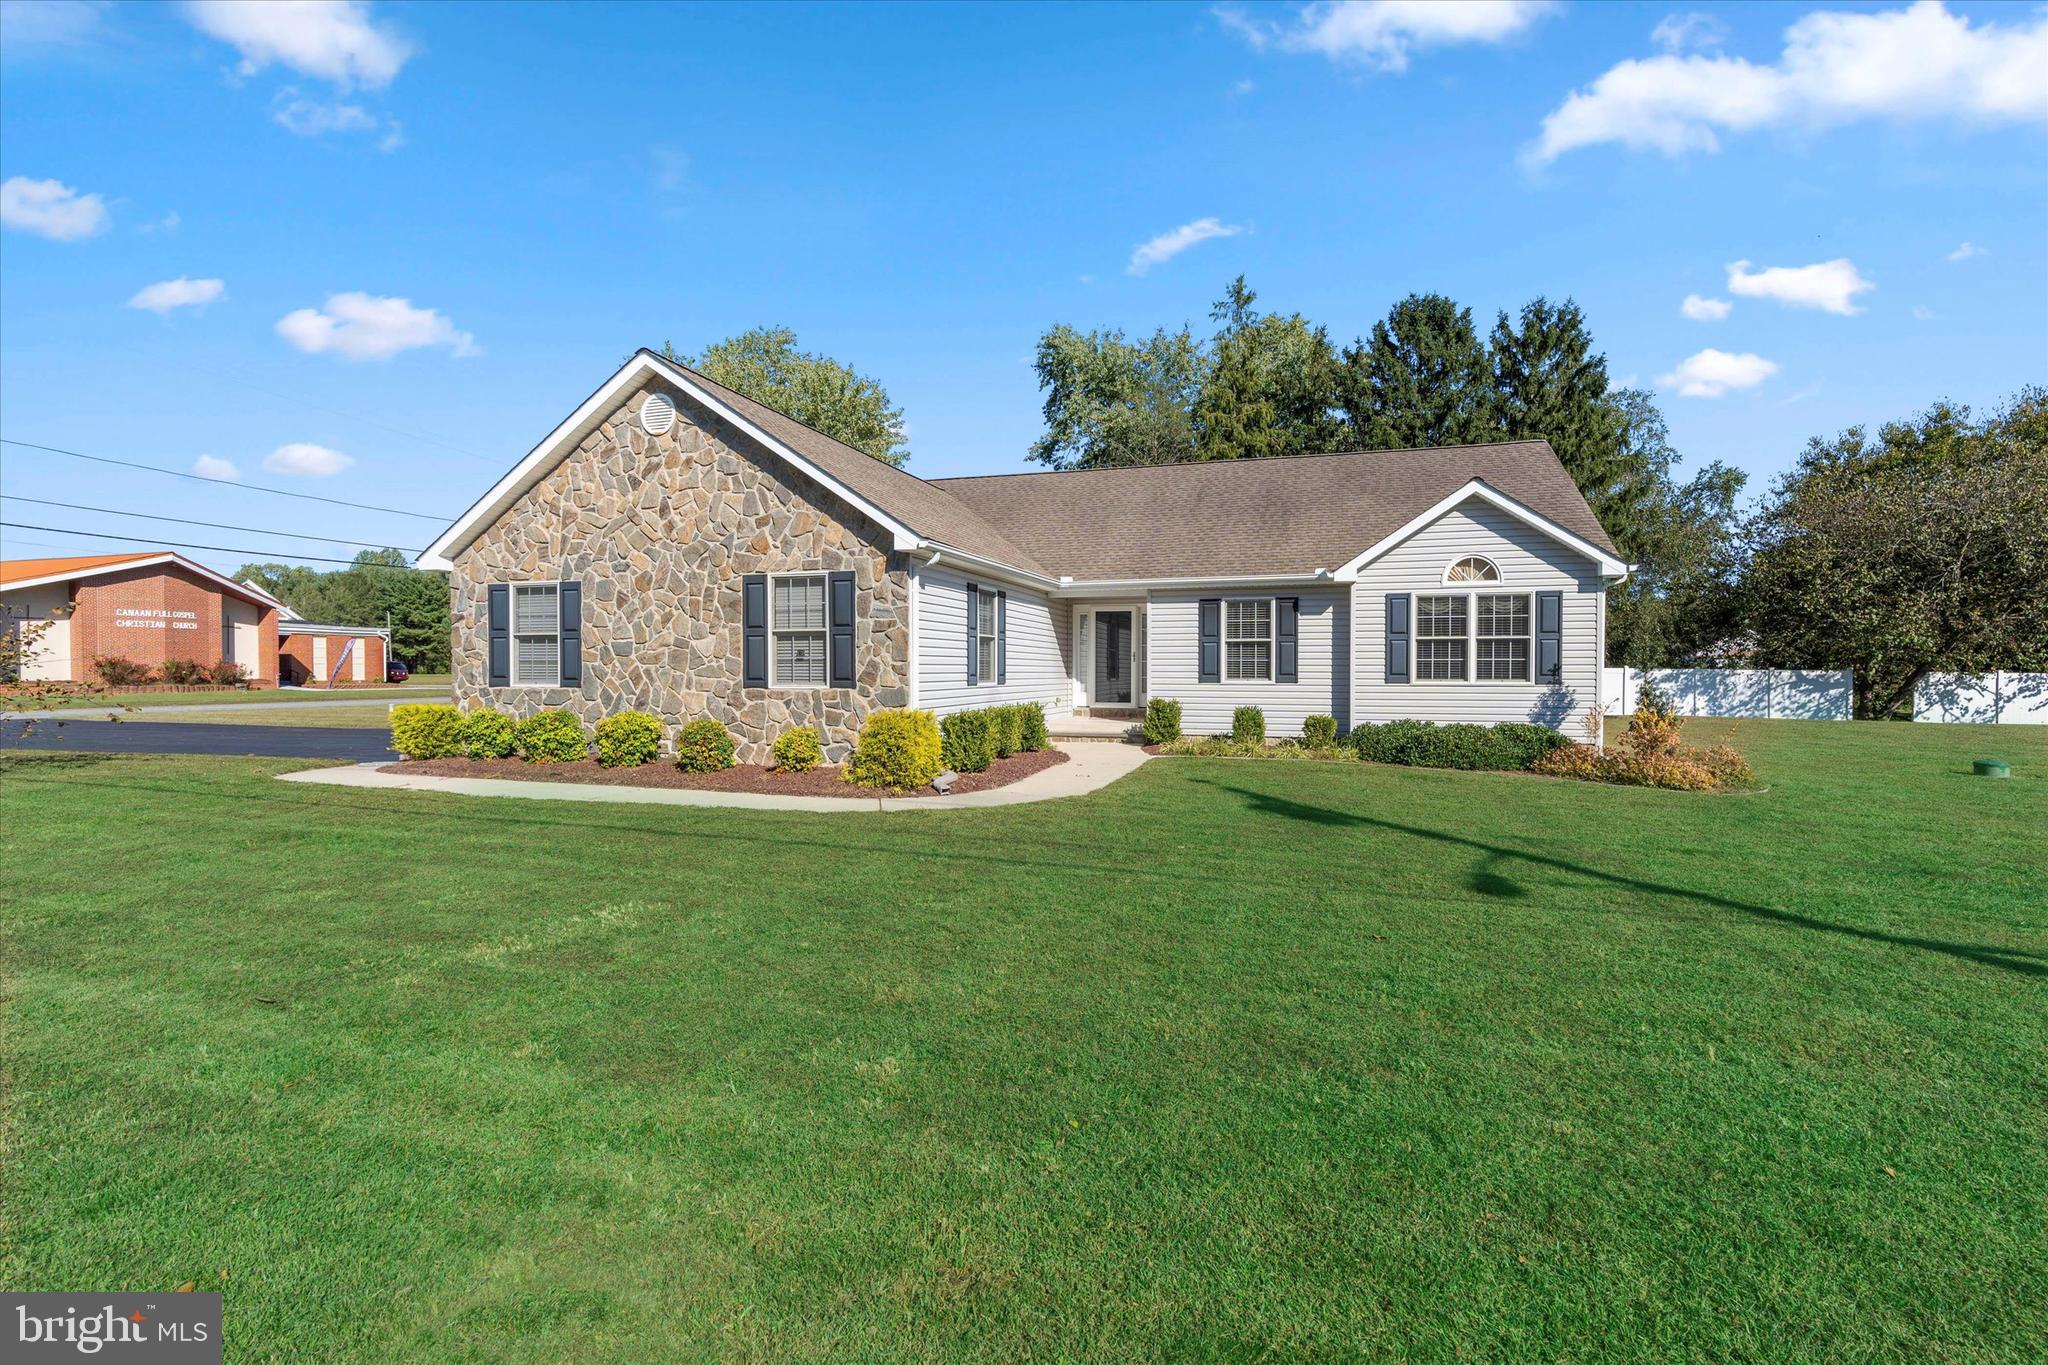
x: 1382, y: 33
x: 1701, y: 309
x: 1677, y: 32
x: 306, y: 460
x: 1168, y: 245
x: 213, y: 467
x: 1831, y: 286
x: 1922, y: 313
x: 50, y: 209
x: 1244, y: 87
x: 1917, y: 63
x: 164, y: 295
x: 26, y: 25
x: 334, y: 40
x: 168, y: 223
x: 1967, y: 251
x: 362, y: 326
x: 1711, y: 373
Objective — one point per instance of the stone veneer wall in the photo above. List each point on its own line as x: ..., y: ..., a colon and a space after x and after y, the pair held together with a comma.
x: 660, y: 531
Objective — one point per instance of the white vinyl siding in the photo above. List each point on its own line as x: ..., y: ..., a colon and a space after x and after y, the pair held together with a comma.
x: 536, y: 635
x: 1322, y: 658
x: 1528, y: 562
x: 1039, y: 662
x: 796, y: 629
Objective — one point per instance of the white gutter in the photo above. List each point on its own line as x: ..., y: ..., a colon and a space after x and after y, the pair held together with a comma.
x: 1095, y: 587
x: 933, y: 552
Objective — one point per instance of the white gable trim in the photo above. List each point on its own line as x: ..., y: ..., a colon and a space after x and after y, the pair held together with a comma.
x: 247, y: 591
x: 1610, y: 567
x: 555, y: 447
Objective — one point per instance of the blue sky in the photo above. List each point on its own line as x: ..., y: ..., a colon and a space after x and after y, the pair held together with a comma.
x: 920, y: 191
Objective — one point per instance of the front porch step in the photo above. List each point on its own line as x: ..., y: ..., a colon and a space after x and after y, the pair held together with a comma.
x: 1106, y: 729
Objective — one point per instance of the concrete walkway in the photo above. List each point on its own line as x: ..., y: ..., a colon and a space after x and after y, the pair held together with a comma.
x: 1090, y: 767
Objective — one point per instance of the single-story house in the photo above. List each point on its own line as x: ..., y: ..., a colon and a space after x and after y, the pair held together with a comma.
x: 149, y: 606
x: 677, y: 547
x: 313, y: 654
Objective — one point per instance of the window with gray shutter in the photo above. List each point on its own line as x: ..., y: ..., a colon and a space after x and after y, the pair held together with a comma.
x: 1502, y: 637
x: 985, y: 638
x: 1248, y: 640
x: 1440, y: 638
x: 536, y: 635
x: 796, y: 627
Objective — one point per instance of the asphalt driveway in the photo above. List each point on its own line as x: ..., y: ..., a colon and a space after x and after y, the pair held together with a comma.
x: 170, y: 737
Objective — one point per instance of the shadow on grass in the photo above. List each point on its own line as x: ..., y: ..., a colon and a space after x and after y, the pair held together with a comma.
x: 1490, y: 882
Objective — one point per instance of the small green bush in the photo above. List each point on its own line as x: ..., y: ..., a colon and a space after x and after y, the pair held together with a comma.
x: 898, y: 750
x: 798, y: 750
x: 1319, y: 732
x: 423, y: 731
x: 1034, y: 737
x: 704, y: 746
x: 628, y: 739
x: 1508, y: 747
x: 551, y: 736
x: 1006, y: 726
x: 1162, y: 721
x: 969, y: 745
x: 487, y: 734
x: 1223, y: 746
x: 1248, y: 725
x: 1527, y: 742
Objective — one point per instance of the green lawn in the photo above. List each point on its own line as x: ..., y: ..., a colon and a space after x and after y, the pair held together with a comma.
x: 375, y: 714
x: 1233, y: 1058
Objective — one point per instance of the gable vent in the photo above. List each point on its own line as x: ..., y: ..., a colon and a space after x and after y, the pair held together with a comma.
x: 657, y: 414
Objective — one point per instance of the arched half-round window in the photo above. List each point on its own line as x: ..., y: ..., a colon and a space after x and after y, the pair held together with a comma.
x: 1472, y: 569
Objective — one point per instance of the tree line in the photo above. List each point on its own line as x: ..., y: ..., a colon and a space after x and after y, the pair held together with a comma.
x: 377, y: 589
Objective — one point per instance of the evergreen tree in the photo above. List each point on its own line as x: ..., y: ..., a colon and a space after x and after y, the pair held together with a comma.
x: 1422, y: 380
x: 1269, y: 385
x: 1550, y: 384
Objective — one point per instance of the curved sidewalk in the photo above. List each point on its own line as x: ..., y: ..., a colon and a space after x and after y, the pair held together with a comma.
x: 1090, y: 767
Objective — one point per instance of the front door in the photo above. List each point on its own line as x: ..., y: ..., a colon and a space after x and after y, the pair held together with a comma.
x: 1113, y: 684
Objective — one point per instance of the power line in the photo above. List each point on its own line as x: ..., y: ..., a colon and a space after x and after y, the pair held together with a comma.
x: 216, y: 525
x: 187, y: 545
x: 232, y: 483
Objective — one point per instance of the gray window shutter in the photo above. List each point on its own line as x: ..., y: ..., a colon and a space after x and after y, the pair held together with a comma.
x: 1397, y: 637
x: 1002, y: 638
x: 1210, y: 661
x: 569, y: 596
x: 973, y: 641
x: 1549, y: 637
x: 754, y: 629
x: 1286, y: 638
x: 498, y: 623
x: 839, y: 606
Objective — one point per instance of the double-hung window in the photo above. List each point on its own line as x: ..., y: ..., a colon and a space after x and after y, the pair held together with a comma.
x: 1440, y: 628
x: 536, y: 635
x: 1501, y: 639
x: 1248, y: 639
x: 796, y: 626
x: 985, y: 635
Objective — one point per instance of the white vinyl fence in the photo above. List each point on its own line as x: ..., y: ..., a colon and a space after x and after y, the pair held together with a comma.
x: 1983, y: 698
x: 1755, y: 693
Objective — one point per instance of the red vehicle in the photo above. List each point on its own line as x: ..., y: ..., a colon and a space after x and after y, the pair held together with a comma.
x: 395, y: 670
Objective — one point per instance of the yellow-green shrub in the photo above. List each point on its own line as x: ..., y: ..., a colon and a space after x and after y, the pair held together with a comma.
x: 704, y: 746
x: 798, y: 750
x: 551, y: 736
x: 421, y: 730
x: 628, y: 739
x: 898, y: 750
x: 487, y: 734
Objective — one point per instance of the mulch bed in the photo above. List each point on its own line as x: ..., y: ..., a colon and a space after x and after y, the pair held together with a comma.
x: 823, y: 781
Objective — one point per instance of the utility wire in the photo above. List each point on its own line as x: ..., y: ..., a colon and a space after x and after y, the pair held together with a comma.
x: 216, y: 525
x: 232, y: 483
x: 186, y: 545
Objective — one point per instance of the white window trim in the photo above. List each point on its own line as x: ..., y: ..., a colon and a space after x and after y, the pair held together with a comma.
x: 986, y: 677
x: 775, y: 682
x: 513, y: 611
x: 1461, y: 584
x: 1272, y: 639
x: 1471, y: 596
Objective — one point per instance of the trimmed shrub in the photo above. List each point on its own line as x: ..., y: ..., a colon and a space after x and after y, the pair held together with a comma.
x: 185, y: 672
x: 486, y: 734
x: 1006, y: 726
x: 1527, y: 742
x: 426, y: 731
x: 551, y: 736
x: 1508, y: 747
x: 1222, y: 746
x: 1319, y: 732
x: 227, y: 673
x: 1162, y: 721
x: 116, y: 671
x: 969, y: 745
x: 1034, y: 737
x: 798, y: 750
x: 628, y: 739
x: 1248, y: 725
x: 703, y: 746
x: 898, y: 750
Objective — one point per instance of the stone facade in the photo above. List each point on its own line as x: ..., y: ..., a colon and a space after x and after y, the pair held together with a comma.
x: 660, y: 531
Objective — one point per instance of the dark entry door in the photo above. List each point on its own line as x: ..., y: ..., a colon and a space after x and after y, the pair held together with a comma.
x: 1112, y: 659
